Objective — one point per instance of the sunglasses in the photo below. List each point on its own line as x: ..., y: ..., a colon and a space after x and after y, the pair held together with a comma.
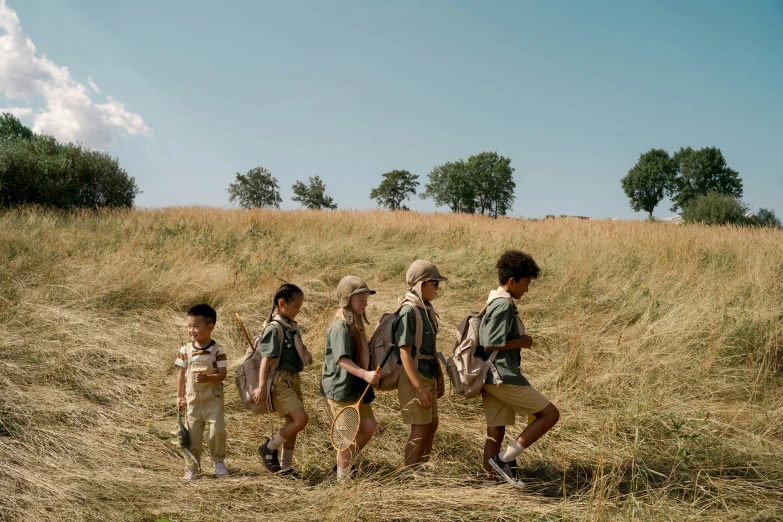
x: 436, y: 283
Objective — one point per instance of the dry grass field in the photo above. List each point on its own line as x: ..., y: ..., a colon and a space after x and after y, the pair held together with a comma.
x: 662, y: 346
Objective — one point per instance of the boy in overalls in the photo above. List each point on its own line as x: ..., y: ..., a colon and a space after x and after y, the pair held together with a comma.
x: 202, y: 369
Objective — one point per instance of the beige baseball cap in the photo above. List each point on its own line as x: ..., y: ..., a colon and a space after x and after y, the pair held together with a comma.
x: 421, y: 271
x: 348, y: 286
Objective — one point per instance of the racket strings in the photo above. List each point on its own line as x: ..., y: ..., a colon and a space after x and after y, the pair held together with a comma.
x: 345, y: 428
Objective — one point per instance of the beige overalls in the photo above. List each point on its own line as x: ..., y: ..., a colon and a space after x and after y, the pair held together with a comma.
x: 204, y: 406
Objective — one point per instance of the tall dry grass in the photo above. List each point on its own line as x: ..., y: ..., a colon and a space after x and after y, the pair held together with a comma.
x: 662, y: 346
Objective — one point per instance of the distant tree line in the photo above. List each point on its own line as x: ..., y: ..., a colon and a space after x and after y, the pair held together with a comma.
x: 37, y: 169
x: 484, y: 184
x: 699, y: 184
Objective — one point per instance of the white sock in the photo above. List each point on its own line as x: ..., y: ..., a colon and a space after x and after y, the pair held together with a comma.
x: 512, y: 452
x: 276, y: 441
x: 342, y: 473
x: 287, y: 460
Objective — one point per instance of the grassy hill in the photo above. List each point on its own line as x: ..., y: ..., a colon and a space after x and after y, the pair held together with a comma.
x: 662, y: 346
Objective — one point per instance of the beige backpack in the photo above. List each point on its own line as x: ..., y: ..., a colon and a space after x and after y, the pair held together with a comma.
x: 382, y: 338
x: 246, y: 378
x: 467, y: 371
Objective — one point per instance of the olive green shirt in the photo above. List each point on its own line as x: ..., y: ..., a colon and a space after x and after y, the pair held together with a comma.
x: 404, y: 334
x: 498, y: 326
x: 337, y: 383
x: 270, y: 347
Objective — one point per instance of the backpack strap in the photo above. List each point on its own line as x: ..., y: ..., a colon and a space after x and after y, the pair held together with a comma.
x: 280, y: 333
x: 273, y: 361
x: 494, y: 354
x: 418, y: 335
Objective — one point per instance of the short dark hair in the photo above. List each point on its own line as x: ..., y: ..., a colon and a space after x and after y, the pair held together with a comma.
x: 516, y: 264
x: 203, y: 310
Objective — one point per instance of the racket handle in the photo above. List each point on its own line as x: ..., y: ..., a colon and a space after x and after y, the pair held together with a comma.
x: 242, y: 326
x: 367, y: 388
x: 377, y: 370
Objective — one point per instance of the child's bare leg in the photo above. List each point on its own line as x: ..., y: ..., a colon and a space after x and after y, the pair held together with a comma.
x: 295, y: 422
x: 433, y: 427
x: 366, y: 430
x: 492, y: 445
x: 414, y: 447
x: 545, y: 420
x: 289, y: 444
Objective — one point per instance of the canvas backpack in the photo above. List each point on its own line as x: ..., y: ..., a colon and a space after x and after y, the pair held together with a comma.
x: 246, y: 378
x: 467, y: 370
x: 383, y: 337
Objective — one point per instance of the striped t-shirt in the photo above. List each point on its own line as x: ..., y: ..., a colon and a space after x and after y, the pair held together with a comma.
x: 211, y: 355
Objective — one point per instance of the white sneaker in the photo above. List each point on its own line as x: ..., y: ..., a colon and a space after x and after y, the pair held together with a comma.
x: 191, y: 475
x: 220, y: 469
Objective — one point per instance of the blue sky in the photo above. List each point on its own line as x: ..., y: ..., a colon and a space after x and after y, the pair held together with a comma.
x: 572, y: 92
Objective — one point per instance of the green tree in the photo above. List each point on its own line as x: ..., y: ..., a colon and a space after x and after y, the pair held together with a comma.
x: 715, y: 208
x: 646, y: 182
x: 313, y: 195
x: 699, y: 172
x: 766, y: 218
x: 36, y: 169
x: 396, y: 187
x: 449, y: 185
x: 492, y: 181
x: 256, y: 188
x: 11, y: 127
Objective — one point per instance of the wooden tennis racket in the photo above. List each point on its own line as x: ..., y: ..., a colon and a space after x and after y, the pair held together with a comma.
x: 345, y: 426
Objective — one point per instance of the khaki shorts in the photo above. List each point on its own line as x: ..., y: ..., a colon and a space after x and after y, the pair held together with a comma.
x: 334, y: 407
x: 503, y: 401
x: 412, y: 413
x: 286, y: 392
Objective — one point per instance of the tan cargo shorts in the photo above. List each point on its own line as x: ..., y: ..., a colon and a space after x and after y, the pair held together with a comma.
x: 412, y: 413
x: 334, y: 407
x: 286, y: 392
x: 503, y: 401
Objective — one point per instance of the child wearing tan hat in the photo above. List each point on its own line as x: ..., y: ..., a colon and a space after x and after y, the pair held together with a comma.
x: 421, y: 384
x: 346, y: 370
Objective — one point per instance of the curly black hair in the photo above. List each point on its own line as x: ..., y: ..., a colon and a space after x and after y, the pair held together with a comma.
x: 516, y: 264
x: 204, y: 311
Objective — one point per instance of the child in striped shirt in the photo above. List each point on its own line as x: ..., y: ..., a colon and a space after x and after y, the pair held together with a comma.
x: 202, y: 369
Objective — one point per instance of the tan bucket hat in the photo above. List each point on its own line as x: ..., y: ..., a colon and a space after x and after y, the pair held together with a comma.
x: 348, y: 286
x: 421, y: 271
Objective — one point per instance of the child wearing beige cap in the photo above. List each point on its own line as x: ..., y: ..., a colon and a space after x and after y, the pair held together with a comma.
x: 421, y: 384
x: 346, y: 370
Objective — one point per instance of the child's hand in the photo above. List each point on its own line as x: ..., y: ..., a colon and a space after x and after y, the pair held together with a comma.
x: 371, y: 378
x: 200, y: 377
x: 259, y: 397
x: 527, y: 341
x: 441, y: 385
x: 181, y: 402
x: 423, y: 396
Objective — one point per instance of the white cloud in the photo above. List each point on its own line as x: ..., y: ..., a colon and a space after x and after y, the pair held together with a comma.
x: 68, y: 113
x: 92, y: 85
x: 19, y: 112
